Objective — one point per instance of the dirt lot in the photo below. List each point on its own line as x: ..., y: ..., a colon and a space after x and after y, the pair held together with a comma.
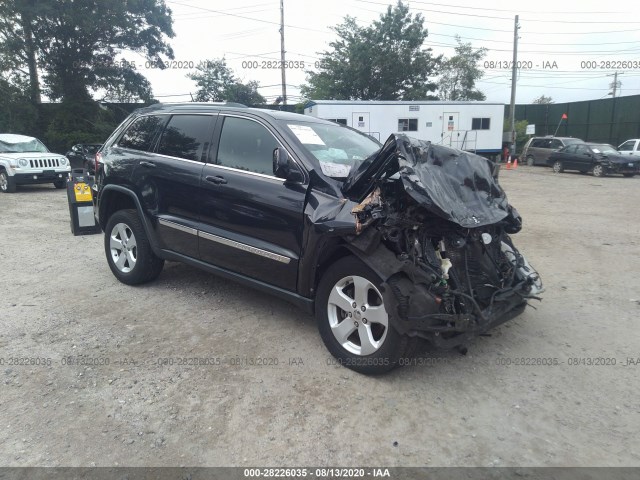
x: 61, y: 306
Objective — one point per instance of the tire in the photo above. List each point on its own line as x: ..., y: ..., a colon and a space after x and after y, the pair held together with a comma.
x: 558, y: 167
x: 135, y: 263
x: 369, y: 346
x: 598, y: 171
x: 629, y: 175
x: 60, y: 184
x: 530, y: 161
x: 7, y: 183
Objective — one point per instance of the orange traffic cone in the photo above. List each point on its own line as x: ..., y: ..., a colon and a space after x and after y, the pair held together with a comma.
x: 509, y: 164
x: 515, y: 163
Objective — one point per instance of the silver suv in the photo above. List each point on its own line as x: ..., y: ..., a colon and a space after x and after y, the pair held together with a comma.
x: 537, y: 150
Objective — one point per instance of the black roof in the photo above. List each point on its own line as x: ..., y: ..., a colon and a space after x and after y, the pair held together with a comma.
x: 228, y: 107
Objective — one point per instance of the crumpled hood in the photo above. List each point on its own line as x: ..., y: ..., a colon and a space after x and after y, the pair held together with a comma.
x: 622, y: 158
x: 455, y: 185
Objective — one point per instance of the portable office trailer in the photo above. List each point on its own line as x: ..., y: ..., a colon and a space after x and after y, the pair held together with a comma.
x: 471, y: 126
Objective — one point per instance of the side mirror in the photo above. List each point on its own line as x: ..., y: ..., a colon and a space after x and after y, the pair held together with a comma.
x: 283, y: 166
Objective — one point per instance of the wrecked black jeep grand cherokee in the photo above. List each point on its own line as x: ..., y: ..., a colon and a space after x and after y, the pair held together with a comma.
x: 387, y: 244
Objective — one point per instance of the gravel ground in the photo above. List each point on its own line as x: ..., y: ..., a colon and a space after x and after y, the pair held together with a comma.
x: 94, y: 390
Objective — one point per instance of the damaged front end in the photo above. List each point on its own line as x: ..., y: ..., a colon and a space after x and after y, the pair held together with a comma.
x: 435, y: 225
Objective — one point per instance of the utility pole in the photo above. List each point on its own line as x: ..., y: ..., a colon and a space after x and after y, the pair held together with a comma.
x: 282, y: 58
x: 514, y: 71
x: 615, y: 84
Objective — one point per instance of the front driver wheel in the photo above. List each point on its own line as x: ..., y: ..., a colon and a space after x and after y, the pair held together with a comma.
x: 353, y: 320
x: 530, y: 161
x: 558, y: 167
x: 7, y: 185
x: 598, y: 170
x: 128, y: 251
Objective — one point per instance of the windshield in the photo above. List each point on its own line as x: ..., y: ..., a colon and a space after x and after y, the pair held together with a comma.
x: 604, y: 149
x: 33, y: 145
x: 337, y: 148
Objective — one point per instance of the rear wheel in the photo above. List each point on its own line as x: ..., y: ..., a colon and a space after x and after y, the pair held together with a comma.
x: 354, y: 323
x: 598, y: 170
x: 530, y: 160
x: 7, y: 184
x: 128, y: 251
x: 558, y: 167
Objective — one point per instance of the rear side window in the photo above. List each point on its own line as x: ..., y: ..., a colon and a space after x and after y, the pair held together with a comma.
x: 186, y: 136
x: 141, y: 132
x: 537, y: 143
x: 246, y: 145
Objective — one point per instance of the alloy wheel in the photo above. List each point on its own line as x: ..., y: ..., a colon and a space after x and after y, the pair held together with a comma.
x: 123, y: 247
x: 357, y: 317
x: 598, y: 170
x: 4, y: 182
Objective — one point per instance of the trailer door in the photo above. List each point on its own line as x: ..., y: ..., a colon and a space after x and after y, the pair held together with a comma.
x: 360, y: 121
x: 450, y: 127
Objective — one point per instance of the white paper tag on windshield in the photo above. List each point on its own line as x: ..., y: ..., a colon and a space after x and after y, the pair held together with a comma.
x: 335, y: 169
x: 306, y: 135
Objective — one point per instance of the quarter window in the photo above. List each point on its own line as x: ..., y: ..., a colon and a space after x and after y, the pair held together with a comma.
x: 246, y: 145
x: 186, y: 136
x: 407, y: 124
x: 141, y: 132
x: 480, y: 123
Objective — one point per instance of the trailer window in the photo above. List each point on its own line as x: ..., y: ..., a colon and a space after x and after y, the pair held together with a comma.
x: 480, y: 123
x: 407, y: 124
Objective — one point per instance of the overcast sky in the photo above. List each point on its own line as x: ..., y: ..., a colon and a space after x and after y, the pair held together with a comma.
x: 565, y: 46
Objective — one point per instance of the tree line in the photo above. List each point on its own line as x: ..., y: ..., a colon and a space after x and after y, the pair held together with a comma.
x: 73, y: 52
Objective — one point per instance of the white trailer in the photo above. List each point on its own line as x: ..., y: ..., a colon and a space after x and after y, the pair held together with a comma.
x: 470, y: 126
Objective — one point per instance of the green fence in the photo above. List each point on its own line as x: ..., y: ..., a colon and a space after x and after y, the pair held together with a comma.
x: 610, y: 120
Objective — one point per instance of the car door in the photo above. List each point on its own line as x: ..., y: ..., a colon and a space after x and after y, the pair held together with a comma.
x: 251, y: 221
x: 169, y: 180
x: 627, y: 147
x: 583, y: 159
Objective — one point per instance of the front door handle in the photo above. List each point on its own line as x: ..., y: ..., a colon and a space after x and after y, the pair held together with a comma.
x: 148, y: 164
x: 218, y: 180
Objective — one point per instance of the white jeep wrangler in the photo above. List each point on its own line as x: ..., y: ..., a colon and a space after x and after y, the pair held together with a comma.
x: 26, y: 161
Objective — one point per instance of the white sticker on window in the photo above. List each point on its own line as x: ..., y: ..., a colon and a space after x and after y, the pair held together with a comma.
x: 306, y: 135
x: 335, y: 169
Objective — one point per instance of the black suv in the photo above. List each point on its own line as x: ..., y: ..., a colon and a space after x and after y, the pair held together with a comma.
x: 387, y: 244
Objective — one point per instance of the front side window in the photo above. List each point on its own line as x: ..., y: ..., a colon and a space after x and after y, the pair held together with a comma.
x: 186, y: 136
x: 480, y: 123
x: 556, y: 144
x: 407, y: 124
x: 582, y: 149
x: 570, y: 149
x: 141, y: 132
x: 626, y: 146
x: 246, y: 145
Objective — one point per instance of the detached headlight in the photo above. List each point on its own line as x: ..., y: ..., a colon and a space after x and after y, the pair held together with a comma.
x: 63, y: 161
x: 23, y: 162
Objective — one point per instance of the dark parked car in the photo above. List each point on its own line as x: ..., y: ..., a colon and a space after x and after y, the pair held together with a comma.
x: 83, y: 155
x: 598, y: 158
x: 387, y: 244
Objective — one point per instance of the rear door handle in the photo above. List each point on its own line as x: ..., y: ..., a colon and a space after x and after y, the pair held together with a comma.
x: 218, y: 180
x: 148, y: 164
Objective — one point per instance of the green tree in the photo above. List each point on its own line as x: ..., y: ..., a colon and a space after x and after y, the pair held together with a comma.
x: 521, y: 132
x: 76, y: 43
x: 460, y: 73
x: 542, y: 100
x: 216, y: 83
x: 383, y: 61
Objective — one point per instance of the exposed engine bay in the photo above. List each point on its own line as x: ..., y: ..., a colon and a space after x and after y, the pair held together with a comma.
x: 451, y: 268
